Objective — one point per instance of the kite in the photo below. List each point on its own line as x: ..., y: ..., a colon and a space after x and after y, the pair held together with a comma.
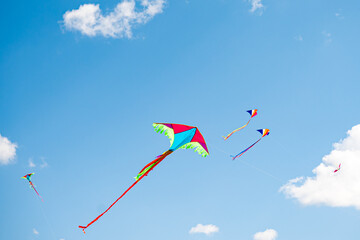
x: 181, y: 136
x: 264, y: 132
x: 252, y: 113
x: 28, y: 177
x: 338, y: 168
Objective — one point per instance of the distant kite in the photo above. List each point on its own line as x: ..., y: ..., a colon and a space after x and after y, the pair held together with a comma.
x: 252, y: 113
x: 28, y: 177
x: 264, y: 132
x: 338, y: 168
x: 181, y: 136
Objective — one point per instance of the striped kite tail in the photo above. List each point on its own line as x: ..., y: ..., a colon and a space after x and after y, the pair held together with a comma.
x: 149, y: 167
x: 225, y: 138
x: 241, y: 153
x: 33, y: 187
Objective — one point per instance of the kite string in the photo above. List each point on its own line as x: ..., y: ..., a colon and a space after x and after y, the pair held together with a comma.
x: 160, y: 158
x: 250, y: 165
x: 47, y: 221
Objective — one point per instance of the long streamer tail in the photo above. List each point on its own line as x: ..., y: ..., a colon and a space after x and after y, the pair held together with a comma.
x: 241, y: 153
x: 225, y: 138
x: 33, y: 187
x: 155, y: 162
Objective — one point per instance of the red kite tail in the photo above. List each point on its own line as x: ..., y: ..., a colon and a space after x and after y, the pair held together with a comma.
x: 32, y: 185
x: 157, y: 160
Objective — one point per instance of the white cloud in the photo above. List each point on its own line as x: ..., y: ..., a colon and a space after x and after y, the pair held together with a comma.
x: 89, y: 20
x: 31, y: 163
x: 256, y: 5
x: 206, y: 229
x: 340, y: 189
x: 7, y: 151
x: 35, y: 231
x: 268, y: 234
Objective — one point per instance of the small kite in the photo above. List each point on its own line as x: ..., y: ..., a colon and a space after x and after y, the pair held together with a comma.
x: 252, y: 113
x: 264, y: 132
x: 181, y: 136
x: 338, y: 168
x: 28, y: 177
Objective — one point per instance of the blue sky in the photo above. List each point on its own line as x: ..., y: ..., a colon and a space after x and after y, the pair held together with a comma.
x: 81, y: 109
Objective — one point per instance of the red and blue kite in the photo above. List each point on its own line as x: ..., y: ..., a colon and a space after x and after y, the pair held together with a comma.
x: 181, y: 136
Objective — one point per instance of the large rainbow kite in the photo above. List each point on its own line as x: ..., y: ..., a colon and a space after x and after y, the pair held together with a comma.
x: 181, y: 136
x: 252, y: 113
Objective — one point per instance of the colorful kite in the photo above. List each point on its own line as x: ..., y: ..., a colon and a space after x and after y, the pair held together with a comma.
x: 181, y: 136
x: 338, y: 168
x: 28, y: 177
x: 264, y: 132
x: 252, y: 113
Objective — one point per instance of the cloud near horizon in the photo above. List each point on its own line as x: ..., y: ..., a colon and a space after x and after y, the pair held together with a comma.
x: 340, y: 189
x: 7, y: 151
x: 205, y: 229
x: 268, y: 234
x: 90, y: 21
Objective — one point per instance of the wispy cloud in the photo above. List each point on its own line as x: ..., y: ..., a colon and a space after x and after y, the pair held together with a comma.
x: 90, y: 21
x: 7, y: 151
x: 327, y: 37
x: 43, y: 163
x: 339, y: 14
x: 35, y: 231
x: 298, y: 38
x: 31, y: 163
x: 205, y: 229
x: 340, y: 189
x: 256, y: 5
x: 268, y: 234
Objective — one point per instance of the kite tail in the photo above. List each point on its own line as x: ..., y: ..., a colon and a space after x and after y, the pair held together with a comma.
x: 155, y: 162
x: 33, y: 187
x: 241, y: 153
x: 225, y: 138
